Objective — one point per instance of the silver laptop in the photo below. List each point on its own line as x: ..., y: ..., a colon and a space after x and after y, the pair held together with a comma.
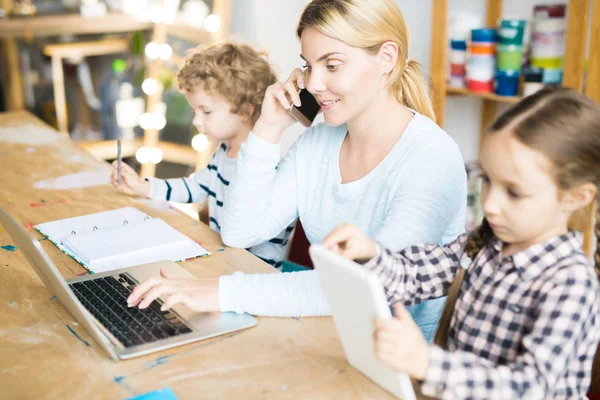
x: 98, y: 303
x: 356, y: 297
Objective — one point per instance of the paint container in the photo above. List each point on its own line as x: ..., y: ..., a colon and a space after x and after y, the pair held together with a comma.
x: 509, y: 57
x: 545, y: 11
x: 482, y: 49
x: 532, y: 80
x: 458, y: 51
x: 484, y: 35
x: 507, y: 83
x: 548, y: 40
x: 511, y: 32
x: 552, y: 76
x: 481, y: 64
x: 457, y: 81
x: 480, y: 86
x: 481, y: 68
x: 458, y: 59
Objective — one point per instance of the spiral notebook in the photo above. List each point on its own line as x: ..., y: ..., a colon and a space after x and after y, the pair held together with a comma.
x: 119, y: 238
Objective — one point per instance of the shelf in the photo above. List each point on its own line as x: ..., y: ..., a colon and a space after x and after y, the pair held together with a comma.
x: 85, y: 49
x: 181, y: 30
x: 487, y: 96
x: 52, y: 25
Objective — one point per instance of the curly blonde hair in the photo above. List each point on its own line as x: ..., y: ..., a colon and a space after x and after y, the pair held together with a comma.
x: 236, y: 72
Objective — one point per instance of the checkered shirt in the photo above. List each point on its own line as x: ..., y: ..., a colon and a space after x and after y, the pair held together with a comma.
x: 524, y: 326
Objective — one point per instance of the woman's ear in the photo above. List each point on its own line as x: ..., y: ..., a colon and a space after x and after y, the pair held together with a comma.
x: 579, y: 196
x: 388, y: 56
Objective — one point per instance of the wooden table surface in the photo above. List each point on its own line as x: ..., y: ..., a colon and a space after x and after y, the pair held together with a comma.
x: 44, y: 353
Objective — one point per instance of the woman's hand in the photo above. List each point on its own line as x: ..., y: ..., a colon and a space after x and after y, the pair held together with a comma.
x: 400, y: 344
x: 131, y: 183
x: 274, y: 115
x: 349, y: 241
x: 195, y: 294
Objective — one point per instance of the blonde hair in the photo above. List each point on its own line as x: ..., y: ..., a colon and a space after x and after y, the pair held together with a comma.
x: 565, y: 126
x: 367, y: 24
x: 236, y: 72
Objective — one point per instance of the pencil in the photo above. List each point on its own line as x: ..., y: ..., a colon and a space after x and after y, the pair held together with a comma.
x: 119, y: 161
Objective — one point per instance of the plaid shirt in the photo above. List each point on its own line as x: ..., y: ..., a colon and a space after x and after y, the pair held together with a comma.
x: 524, y: 326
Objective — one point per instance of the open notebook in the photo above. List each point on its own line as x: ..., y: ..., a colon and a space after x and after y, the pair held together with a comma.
x: 119, y: 238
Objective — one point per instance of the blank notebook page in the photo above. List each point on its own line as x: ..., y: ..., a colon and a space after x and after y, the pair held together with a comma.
x: 125, y: 241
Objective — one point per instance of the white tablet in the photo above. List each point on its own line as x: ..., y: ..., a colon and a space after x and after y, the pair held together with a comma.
x: 356, y: 297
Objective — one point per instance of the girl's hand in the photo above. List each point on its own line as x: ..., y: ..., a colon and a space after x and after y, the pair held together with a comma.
x: 196, y: 294
x: 274, y: 115
x: 350, y: 242
x: 400, y: 344
x: 131, y: 183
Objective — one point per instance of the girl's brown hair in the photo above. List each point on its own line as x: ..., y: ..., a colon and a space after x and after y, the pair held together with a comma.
x: 565, y: 126
x: 236, y: 72
x: 367, y: 24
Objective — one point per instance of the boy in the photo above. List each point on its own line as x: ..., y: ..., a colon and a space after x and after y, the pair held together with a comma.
x: 225, y: 85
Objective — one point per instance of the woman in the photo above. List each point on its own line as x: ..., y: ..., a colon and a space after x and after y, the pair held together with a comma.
x: 378, y: 162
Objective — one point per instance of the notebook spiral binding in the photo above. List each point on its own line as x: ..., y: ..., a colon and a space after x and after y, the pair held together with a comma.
x: 125, y: 222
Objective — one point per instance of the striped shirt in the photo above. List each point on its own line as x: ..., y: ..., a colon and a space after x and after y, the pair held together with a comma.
x: 210, y: 184
x: 524, y: 326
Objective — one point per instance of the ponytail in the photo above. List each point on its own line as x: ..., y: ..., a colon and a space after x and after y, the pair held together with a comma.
x: 411, y: 89
x: 477, y: 240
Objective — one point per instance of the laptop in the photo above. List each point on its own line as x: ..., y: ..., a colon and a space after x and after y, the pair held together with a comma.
x: 98, y: 303
x: 356, y: 297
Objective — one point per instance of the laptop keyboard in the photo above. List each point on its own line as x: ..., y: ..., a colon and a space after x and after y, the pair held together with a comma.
x: 106, y: 300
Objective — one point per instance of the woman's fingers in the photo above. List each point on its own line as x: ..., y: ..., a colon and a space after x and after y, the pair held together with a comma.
x: 297, y: 76
x: 138, y: 292
x: 292, y: 91
x: 172, y: 300
x: 281, y: 96
x: 154, y: 294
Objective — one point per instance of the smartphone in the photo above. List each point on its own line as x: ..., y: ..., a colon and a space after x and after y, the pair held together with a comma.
x: 308, y: 110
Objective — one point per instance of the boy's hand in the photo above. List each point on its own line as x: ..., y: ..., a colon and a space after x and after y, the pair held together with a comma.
x: 196, y: 294
x: 400, y: 344
x: 131, y: 183
x: 274, y: 115
x: 350, y: 242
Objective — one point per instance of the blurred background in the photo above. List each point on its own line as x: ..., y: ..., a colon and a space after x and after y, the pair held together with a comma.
x: 99, y: 70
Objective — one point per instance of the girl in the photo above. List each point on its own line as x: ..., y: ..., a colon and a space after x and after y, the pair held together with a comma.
x: 522, y: 317
x: 378, y: 162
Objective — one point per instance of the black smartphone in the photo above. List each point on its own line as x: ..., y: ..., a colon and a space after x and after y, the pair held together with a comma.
x: 308, y: 110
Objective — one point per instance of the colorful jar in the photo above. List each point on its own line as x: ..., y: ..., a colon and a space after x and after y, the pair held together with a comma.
x: 509, y: 57
x: 544, y: 11
x: 507, y: 83
x: 480, y: 86
x: 483, y: 35
x: 533, y: 80
x: 481, y: 63
x: 511, y: 32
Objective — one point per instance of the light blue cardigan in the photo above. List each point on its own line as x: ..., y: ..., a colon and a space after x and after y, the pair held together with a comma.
x: 417, y: 194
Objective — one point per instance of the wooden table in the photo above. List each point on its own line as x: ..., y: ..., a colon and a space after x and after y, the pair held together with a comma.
x: 44, y: 353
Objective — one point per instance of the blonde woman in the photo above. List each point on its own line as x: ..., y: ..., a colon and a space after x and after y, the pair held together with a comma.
x: 378, y: 161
